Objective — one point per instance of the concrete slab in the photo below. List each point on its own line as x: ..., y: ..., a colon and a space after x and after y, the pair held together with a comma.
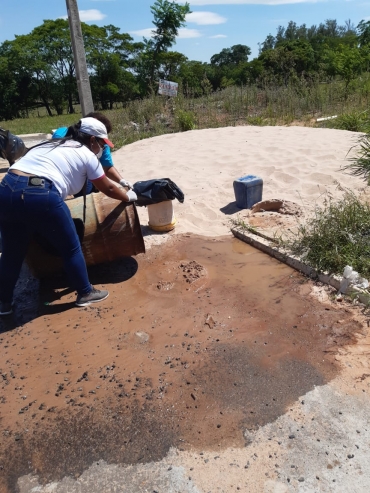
x: 270, y: 246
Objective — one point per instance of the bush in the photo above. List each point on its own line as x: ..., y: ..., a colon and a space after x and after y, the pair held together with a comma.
x: 357, y: 121
x: 185, y: 120
x: 338, y: 235
x: 360, y: 165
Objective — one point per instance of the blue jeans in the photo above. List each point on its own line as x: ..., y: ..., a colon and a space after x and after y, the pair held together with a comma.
x: 25, y: 210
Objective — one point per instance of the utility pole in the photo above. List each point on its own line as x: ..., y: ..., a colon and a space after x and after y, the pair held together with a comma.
x: 83, y: 81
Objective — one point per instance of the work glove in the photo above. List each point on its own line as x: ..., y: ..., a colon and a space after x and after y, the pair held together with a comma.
x: 125, y: 183
x: 131, y: 196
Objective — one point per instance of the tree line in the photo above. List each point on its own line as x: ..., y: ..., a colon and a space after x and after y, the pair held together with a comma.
x: 37, y: 69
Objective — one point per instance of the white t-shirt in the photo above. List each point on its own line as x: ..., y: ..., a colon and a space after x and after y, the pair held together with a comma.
x: 67, y: 165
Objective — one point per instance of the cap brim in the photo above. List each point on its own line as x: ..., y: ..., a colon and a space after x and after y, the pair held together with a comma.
x: 109, y: 143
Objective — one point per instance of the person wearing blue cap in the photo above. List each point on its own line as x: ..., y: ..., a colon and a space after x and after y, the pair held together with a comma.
x: 105, y: 158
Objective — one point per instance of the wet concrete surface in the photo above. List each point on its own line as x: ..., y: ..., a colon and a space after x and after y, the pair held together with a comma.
x: 199, y: 340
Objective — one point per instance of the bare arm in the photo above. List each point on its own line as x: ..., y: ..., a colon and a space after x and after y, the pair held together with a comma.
x: 112, y: 173
x: 105, y: 186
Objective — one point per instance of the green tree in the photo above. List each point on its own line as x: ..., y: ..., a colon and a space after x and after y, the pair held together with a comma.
x: 289, y: 59
x: 169, y: 17
x: 268, y: 44
x: 42, y: 61
x: 231, y: 56
x: 363, y: 33
x: 12, y: 99
x: 31, y: 75
x: 52, y: 40
x: 345, y: 62
x: 170, y: 63
x: 108, y: 56
x: 192, y: 75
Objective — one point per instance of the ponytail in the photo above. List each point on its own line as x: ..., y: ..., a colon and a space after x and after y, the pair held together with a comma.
x: 73, y: 133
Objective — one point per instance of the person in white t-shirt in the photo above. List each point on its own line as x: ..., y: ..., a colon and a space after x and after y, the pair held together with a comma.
x: 32, y: 197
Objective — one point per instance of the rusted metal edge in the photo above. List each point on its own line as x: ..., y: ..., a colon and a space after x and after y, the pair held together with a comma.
x: 268, y: 246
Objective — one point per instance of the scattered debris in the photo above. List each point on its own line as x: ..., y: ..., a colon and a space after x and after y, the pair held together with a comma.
x: 209, y: 321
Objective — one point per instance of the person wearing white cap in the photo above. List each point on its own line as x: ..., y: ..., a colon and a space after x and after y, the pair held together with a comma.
x: 32, y: 197
x: 106, y: 157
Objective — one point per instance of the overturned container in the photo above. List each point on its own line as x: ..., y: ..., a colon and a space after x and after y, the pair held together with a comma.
x: 111, y: 231
x: 161, y: 216
x: 158, y: 195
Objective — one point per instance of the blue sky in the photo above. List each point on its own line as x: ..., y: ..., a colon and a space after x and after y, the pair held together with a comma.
x: 212, y: 26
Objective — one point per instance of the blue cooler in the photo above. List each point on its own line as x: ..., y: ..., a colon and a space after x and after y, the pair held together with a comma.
x: 248, y: 191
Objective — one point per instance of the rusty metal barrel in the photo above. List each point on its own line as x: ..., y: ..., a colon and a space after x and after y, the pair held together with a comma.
x: 112, y: 231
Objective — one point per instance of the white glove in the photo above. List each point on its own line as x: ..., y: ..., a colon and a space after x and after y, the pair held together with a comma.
x: 125, y: 183
x: 131, y: 196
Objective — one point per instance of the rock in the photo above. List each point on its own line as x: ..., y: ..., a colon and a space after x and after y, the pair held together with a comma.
x: 143, y: 336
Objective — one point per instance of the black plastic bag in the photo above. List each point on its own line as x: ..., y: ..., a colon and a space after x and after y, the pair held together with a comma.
x: 11, y: 146
x: 157, y: 190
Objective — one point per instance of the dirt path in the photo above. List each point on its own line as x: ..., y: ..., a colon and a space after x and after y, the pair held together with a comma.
x: 201, y: 343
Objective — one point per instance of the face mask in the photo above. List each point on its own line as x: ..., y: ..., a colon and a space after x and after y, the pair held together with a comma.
x: 100, y: 153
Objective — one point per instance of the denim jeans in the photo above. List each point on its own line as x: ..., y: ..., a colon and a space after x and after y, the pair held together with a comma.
x: 25, y: 210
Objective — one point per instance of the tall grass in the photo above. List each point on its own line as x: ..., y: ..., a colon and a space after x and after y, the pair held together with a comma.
x: 360, y: 164
x: 299, y: 103
x: 337, y: 235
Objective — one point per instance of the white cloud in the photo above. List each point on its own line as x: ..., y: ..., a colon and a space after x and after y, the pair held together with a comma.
x: 217, y: 36
x: 184, y: 33
x: 91, y: 15
x: 147, y: 33
x: 189, y: 33
x: 249, y: 2
x: 205, y: 18
x: 88, y: 15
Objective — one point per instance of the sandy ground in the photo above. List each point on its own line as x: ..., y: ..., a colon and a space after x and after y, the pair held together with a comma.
x: 211, y: 367
x: 297, y: 164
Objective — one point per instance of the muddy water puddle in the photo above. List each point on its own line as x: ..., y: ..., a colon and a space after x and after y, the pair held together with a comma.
x: 199, y: 340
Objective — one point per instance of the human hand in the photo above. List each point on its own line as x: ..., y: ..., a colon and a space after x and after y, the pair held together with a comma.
x: 125, y: 183
x: 131, y: 196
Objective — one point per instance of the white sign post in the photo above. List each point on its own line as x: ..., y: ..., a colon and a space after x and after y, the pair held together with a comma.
x: 167, y: 88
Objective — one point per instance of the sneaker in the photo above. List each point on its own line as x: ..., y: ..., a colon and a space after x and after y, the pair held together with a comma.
x: 94, y: 296
x: 5, y: 308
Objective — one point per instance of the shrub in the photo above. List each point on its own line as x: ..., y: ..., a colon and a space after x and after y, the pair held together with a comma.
x: 360, y: 165
x: 337, y: 235
x: 357, y: 121
x: 185, y: 120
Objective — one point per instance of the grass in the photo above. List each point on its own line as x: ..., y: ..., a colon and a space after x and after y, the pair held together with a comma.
x: 355, y: 121
x: 337, y: 235
x: 39, y: 124
x: 297, y: 104
x: 360, y: 164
